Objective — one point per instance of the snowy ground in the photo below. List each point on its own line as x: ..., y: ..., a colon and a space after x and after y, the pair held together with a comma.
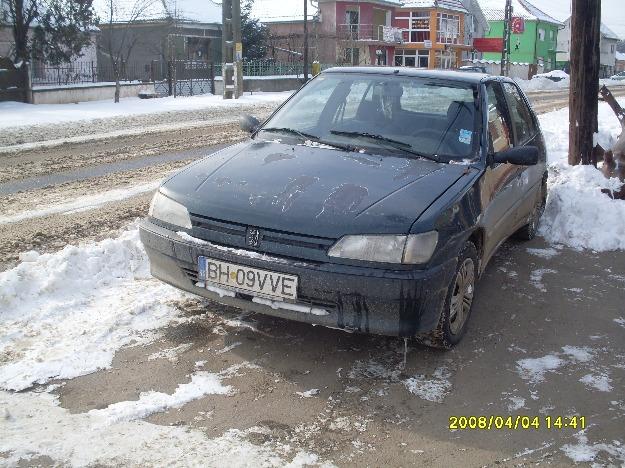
x: 102, y: 365
x: 17, y: 114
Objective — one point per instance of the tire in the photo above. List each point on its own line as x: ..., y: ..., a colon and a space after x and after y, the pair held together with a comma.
x: 453, y: 321
x: 528, y: 232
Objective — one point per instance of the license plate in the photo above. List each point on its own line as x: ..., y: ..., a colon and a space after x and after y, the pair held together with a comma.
x: 248, y: 280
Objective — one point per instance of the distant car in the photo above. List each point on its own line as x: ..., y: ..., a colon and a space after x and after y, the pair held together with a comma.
x: 618, y: 76
x: 554, y: 75
x: 370, y: 201
x: 473, y: 68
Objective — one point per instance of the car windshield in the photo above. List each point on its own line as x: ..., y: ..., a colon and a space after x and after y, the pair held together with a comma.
x: 411, y: 115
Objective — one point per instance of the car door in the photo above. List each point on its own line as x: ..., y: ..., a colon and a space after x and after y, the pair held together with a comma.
x: 498, y: 185
x: 526, y: 133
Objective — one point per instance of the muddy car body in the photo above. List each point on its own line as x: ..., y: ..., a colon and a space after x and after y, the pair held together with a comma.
x: 350, y: 226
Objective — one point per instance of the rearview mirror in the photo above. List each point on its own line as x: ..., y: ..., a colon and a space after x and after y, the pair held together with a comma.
x: 520, y: 156
x: 249, y: 124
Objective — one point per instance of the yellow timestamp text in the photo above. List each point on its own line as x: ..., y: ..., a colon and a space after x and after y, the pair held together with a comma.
x: 518, y: 422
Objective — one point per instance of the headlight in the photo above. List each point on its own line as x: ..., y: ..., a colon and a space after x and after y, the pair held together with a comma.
x: 171, y: 212
x: 411, y: 249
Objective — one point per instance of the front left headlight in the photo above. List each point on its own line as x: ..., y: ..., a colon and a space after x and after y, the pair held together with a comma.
x: 410, y: 249
x: 170, y: 211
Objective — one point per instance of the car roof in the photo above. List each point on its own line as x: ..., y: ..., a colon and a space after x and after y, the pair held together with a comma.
x: 451, y: 75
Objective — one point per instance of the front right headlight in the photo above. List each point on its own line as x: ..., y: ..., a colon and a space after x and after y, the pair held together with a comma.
x: 170, y: 211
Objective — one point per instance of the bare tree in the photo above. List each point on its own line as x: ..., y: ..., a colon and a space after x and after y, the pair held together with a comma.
x: 121, y: 18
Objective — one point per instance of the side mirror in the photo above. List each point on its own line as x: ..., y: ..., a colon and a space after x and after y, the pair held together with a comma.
x: 249, y: 124
x: 520, y: 156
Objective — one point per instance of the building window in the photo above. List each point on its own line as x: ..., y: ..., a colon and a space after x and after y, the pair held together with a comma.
x: 612, y: 48
x: 418, y: 26
x: 352, y: 55
x: 541, y: 34
x: 412, y: 58
x: 448, y: 28
x: 446, y: 59
x: 551, y: 35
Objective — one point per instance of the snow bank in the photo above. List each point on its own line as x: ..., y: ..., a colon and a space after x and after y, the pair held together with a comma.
x: 65, y: 314
x: 542, y: 84
x: 17, y: 114
x: 577, y: 213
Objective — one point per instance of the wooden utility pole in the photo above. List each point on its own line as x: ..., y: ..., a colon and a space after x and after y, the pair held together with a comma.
x: 231, y: 49
x: 505, y: 52
x: 305, y: 41
x: 583, y: 102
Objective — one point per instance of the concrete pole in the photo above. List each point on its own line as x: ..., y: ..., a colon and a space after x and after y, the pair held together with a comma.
x: 505, y: 52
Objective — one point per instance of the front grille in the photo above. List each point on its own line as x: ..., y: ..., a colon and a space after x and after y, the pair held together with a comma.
x: 286, y: 244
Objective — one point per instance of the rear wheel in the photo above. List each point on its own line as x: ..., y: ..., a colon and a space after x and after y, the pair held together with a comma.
x: 528, y: 232
x: 458, y: 302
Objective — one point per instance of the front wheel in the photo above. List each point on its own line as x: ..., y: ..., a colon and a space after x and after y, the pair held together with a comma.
x: 458, y: 302
x: 528, y: 232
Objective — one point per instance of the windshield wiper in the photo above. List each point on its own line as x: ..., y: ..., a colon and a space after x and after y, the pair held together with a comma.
x: 292, y: 131
x: 400, y: 145
x: 308, y: 136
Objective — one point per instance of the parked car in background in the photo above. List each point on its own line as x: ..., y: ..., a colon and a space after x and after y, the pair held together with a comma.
x: 554, y: 75
x: 473, y: 68
x: 618, y: 76
x: 370, y: 201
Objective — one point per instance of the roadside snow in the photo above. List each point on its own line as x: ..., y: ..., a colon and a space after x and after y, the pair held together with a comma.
x: 85, y: 203
x: 17, y: 114
x: 65, y: 314
x: 577, y: 213
x: 35, y: 425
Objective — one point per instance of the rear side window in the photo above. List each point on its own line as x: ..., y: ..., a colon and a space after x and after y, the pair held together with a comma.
x: 499, y: 134
x: 520, y: 114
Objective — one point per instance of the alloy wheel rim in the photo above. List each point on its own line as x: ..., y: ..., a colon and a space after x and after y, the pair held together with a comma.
x: 462, y: 296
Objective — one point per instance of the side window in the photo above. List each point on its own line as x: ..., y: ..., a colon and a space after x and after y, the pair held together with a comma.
x: 499, y: 134
x: 521, y: 116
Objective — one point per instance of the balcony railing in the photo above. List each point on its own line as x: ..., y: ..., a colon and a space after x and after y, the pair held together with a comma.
x: 369, y: 32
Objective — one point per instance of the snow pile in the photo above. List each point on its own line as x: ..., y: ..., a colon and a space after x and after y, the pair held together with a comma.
x: 434, y: 388
x: 541, y: 83
x: 577, y: 213
x: 36, y: 426
x: 65, y: 314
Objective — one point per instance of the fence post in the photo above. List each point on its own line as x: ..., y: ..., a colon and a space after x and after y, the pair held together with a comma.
x: 153, y: 71
x: 169, y: 83
x: 28, y: 82
x: 93, y: 72
x: 212, y: 77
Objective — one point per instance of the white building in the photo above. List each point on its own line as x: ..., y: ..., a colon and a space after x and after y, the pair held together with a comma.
x: 607, y: 47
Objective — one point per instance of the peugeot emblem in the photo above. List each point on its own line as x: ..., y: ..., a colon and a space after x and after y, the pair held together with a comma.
x: 253, y: 237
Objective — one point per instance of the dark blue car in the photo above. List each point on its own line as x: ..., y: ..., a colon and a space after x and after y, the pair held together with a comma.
x: 370, y: 201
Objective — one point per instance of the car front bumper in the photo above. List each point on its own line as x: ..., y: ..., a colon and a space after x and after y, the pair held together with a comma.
x: 363, y: 299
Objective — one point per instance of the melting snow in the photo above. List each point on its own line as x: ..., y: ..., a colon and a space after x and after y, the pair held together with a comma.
x: 65, y: 314
x: 583, y: 451
x: 534, y: 369
x: 543, y: 253
x: 599, y: 382
x: 434, y: 388
x: 308, y: 393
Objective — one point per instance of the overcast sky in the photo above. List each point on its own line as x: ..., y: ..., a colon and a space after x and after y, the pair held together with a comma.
x: 612, y: 12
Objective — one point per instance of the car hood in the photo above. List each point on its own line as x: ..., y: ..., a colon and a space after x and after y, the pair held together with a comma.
x: 311, y: 189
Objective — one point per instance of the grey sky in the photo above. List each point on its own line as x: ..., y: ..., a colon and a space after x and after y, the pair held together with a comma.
x: 612, y: 12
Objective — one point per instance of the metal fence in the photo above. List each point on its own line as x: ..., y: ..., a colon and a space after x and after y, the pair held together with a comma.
x: 178, y: 78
